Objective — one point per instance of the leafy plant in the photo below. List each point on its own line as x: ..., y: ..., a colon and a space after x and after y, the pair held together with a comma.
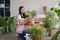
x: 56, y: 10
x: 2, y: 24
x: 9, y: 22
x: 37, y: 33
x: 6, y: 24
x: 50, y: 21
x: 30, y: 14
x: 33, y: 13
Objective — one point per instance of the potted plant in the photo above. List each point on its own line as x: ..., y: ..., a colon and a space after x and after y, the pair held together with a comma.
x: 6, y: 24
x: 57, y: 11
x: 31, y: 14
x: 37, y: 33
x: 50, y: 21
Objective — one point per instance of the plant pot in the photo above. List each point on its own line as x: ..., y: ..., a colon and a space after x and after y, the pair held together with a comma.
x: 49, y: 33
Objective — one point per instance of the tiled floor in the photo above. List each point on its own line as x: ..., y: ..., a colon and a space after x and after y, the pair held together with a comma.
x: 12, y: 36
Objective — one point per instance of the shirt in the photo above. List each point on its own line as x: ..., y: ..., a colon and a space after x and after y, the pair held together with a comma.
x: 19, y: 28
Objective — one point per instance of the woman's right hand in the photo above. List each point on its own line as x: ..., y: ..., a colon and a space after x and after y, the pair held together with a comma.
x: 29, y: 19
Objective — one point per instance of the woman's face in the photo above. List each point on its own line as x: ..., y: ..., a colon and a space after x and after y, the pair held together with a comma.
x: 23, y: 10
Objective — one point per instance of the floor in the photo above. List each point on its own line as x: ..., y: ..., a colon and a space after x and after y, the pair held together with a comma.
x: 8, y: 36
x: 12, y: 36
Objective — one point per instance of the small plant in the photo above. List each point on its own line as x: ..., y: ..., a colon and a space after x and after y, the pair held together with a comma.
x: 50, y: 21
x: 37, y: 33
x: 33, y: 13
x: 30, y: 14
x: 6, y: 24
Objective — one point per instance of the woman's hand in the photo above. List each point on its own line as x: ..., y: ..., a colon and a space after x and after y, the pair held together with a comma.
x: 21, y: 22
x: 29, y: 19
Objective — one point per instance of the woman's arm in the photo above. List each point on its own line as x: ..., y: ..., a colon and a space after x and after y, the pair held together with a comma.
x: 24, y: 21
x: 21, y: 22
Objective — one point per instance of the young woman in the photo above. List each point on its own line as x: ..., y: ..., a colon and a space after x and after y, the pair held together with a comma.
x: 20, y: 30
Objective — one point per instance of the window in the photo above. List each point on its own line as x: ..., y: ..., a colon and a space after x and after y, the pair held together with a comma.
x: 2, y: 12
x: 7, y: 3
x: 7, y: 12
x: 1, y: 1
x: 5, y: 8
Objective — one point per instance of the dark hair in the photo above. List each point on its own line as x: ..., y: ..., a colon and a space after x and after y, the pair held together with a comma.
x: 24, y: 16
x: 20, y: 9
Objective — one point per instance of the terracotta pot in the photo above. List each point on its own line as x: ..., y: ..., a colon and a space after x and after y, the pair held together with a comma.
x: 49, y: 34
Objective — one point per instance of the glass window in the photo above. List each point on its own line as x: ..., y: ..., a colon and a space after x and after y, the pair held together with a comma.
x: 2, y: 12
x: 7, y: 3
x: 1, y: 1
x: 5, y: 8
x: 7, y: 12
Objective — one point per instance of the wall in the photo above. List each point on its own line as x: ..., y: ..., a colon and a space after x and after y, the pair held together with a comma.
x: 31, y: 5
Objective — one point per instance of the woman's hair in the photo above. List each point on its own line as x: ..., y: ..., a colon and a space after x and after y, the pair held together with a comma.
x: 20, y: 9
x: 24, y: 16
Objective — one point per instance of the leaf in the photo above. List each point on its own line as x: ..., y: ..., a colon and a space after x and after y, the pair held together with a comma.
x: 2, y: 21
x: 50, y: 20
x: 36, y: 32
x: 30, y: 14
x: 57, y: 11
x: 10, y: 21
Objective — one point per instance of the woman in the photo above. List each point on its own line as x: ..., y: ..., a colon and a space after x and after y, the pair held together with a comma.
x: 20, y: 30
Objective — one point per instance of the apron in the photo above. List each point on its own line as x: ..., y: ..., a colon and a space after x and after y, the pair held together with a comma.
x: 19, y: 28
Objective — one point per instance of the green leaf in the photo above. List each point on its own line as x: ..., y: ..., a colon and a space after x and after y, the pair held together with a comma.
x: 30, y: 14
x: 36, y: 32
x: 51, y: 20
